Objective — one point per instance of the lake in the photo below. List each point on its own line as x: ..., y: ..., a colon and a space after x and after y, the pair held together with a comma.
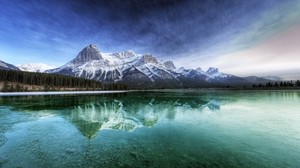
x: 192, y: 128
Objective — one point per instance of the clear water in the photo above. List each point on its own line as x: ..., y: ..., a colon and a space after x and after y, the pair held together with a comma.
x: 152, y: 129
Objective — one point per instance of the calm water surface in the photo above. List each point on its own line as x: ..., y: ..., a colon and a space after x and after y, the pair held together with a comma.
x: 152, y: 129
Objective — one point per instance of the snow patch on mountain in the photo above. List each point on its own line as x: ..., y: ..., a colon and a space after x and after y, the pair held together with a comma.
x: 3, y: 64
x: 35, y: 67
x: 183, y: 71
x: 214, y: 73
x: 7, y: 66
x: 273, y: 78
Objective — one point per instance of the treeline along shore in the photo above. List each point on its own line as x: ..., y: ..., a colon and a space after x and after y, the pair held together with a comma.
x: 20, y: 81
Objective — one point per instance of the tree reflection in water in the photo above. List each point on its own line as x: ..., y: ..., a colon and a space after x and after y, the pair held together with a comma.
x: 122, y: 111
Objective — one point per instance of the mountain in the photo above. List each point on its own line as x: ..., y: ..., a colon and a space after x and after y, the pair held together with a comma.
x: 6, y: 66
x: 89, y: 53
x: 257, y: 80
x: 35, y: 67
x: 223, y: 78
x: 138, y: 71
x: 142, y: 71
x: 273, y: 78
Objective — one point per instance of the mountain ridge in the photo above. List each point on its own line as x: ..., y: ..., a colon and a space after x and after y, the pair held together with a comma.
x: 139, y: 71
x: 35, y: 67
x: 7, y: 66
x: 143, y: 71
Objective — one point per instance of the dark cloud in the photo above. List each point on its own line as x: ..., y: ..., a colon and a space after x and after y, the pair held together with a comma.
x: 162, y: 27
x: 168, y: 27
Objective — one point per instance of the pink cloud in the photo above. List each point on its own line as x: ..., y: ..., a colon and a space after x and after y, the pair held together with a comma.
x: 279, y: 55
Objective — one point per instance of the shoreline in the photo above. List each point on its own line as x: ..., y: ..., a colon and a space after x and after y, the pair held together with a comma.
x: 2, y: 94
x: 233, y: 89
x: 41, y: 93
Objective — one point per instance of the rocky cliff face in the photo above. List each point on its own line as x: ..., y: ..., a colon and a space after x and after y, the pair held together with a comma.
x: 89, y: 53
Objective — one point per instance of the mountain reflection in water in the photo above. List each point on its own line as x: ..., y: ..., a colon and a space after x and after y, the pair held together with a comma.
x: 167, y: 129
x: 123, y: 111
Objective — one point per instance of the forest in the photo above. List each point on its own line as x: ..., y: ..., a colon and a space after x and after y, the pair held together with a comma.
x: 280, y: 84
x: 18, y: 81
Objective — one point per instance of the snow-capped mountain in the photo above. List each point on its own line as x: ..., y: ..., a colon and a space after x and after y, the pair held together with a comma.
x: 256, y: 80
x: 126, y: 67
x: 6, y: 66
x: 35, y: 67
x: 142, y: 71
x: 212, y: 77
x: 273, y: 78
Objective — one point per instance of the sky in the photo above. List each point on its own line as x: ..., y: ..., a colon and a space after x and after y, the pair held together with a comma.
x: 239, y: 37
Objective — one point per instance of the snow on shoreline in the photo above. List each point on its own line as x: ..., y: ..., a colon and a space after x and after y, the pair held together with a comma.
x: 60, y: 93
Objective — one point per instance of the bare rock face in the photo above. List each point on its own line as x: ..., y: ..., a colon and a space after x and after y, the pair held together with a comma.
x: 199, y: 69
x: 87, y: 54
x: 169, y: 65
x: 212, y: 70
x: 148, y: 58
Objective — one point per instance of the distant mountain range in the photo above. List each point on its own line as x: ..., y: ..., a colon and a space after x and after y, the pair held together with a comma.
x: 140, y: 71
x: 38, y: 67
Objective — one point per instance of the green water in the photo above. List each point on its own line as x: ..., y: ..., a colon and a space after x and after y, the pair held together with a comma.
x: 152, y: 129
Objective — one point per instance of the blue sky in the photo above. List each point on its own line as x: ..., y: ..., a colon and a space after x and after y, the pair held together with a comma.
x: 229, y: 34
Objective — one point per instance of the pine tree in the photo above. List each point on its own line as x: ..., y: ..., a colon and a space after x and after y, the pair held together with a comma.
x: 50, y: 81
x: 297, y: 83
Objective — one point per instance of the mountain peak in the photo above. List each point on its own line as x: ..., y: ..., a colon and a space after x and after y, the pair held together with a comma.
x: 87, y: 54
x: 272, y: 78
x: 125, y: 54
x: 169, y: 65
x: 212, y: 70
x: 181, y: 69
x: 148, y: 58
x: 199, y: 69
x: 92, y: 46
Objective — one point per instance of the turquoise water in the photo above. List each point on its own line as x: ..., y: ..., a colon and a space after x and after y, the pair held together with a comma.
x: 152, y: 129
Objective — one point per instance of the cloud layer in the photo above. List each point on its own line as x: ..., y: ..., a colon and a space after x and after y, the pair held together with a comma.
x: 191, y: 32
